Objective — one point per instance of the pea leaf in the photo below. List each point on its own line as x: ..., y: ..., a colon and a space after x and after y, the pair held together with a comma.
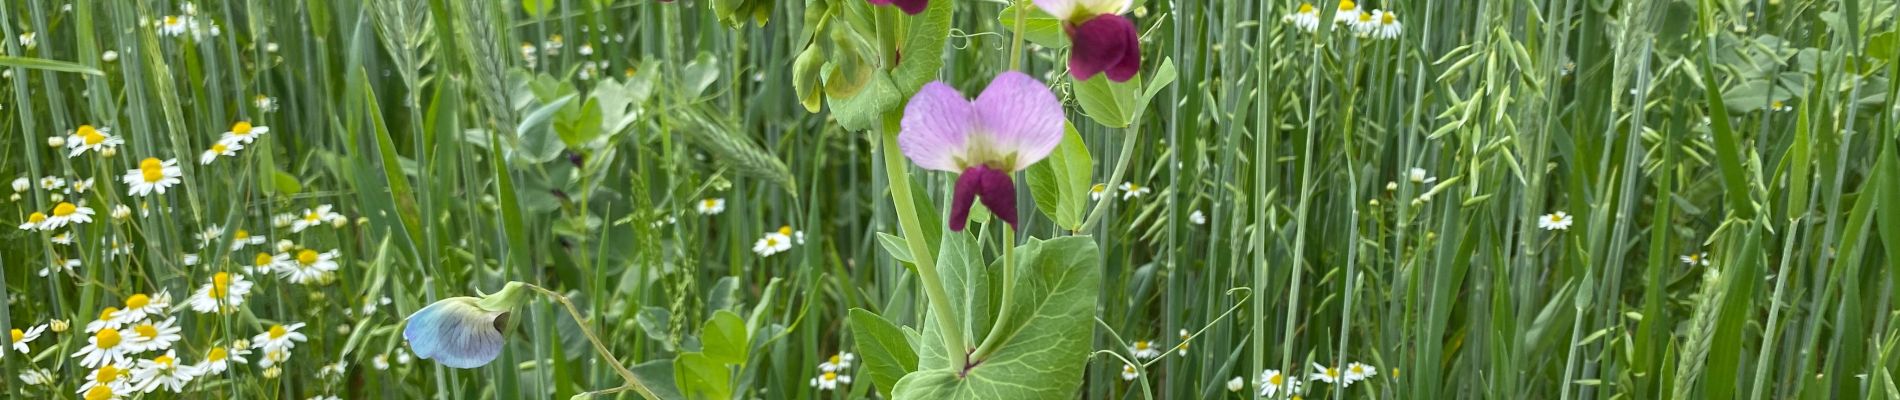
x: 1039, y: 27
x: 1109, y: 103
x: 888, y: 354
x: 724, y: 338
x: 1060, y: 183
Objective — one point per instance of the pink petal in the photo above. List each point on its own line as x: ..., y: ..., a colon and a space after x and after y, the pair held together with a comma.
x: 1020, y: 115
x: 911, y: 7
x: 993, y: 187
x: 1105, y: 44
x: 936, y: 127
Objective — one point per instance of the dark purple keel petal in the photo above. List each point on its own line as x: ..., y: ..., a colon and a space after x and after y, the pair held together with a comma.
x: 911, y: 7
x: 1106, y: 44
x: 993, y: 187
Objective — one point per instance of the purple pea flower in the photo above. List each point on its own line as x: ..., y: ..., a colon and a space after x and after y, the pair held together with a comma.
x: 911, y: 7
x: 1103, y: 41
x: 1016, y: 122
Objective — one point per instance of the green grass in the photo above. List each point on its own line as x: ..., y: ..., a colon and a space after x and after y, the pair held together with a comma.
x: 1760, y: 132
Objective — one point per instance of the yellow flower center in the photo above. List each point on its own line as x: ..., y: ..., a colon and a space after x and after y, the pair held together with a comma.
x: 64, y: 209
x: 1275, y: 380
x: 1141, y: 345
x: 834, y: 357
x: 785, y: 230
x: 1364, y: 17
x: 166, y: 362
x: 18, y: 336
x: 106, y: 338
x: 36, y: 217
x: 241, y: 128
x: 146, y: 330
x: 171, y: 20
x: 277, y: 331
x: 106, y: 374
x: 152, y: 175
x: 100, y: 392
x: 263, y: 259
x: 1347, y: 5
x: 1332, y: 372
x: 1358, y: 369
x: 709, y: 203
x: 107, y: 313
x: 312, y: 217
x: 151, y: 163
x: 831, y: 376
x: 137, y: 301
x: 307, y: 257
x: 219, y: 148
x: 1556, y: 218
x: 220, y: 284
x: 771, y: 241
x: 1098, y: 188
x: 1388, y: 18
x: 241, y: 235
x: 217, y: 354
x: 91, y: 135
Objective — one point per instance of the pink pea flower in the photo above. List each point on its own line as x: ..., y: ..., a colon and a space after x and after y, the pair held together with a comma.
x: 911, y: 7
x: 1102, y: 40
x: 1016, y: 122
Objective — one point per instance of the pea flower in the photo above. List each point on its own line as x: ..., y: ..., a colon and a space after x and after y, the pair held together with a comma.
x: 464, y: 332
x: 1103, y: 41
x: 911, y: 7
x: 1016, y: 122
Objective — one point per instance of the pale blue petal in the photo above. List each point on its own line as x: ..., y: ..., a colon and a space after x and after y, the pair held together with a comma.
x: 455, y: 333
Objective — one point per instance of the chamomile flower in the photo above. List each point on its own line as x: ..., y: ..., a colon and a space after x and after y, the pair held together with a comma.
x: 27, y: 40
x: 772, y: 243
x: 1329, y: 375
x: 121, y: 212
x: 59, y: 265
x: 109, y: 318
x: 838, y: 362
x: 80, y: 186
x: 22, y: 338
x: 316, y: 217
x: 1777, y: 105
x: 241, y: 238
x: 223, y: 294
x: 1272, y: 382
x: 153, y: 336
x: 712, y: 206
x: 35, y: 221
x: 243, y: 133
x: 1129, y: 373
x: 1096, y: 191
x: 1181, y: 349
x: 219, y: 358
x: 380, y: 362
x: 37, y: 377
x: 67, y: 213
x: 52, y: 183
x: 333, y: 369
x: 278, y: 337
x: 586, y: 49
x: 306, y: 266
x: 263, y: 263
x: 1197, y: 218
x: 830, y: 381
x: 109, y: 377
x: 105, y: 347
x: 1306, y: 18
x: 1348, y: 12
x: 1695, y: 259
x: 221, y: 148
x: 1364, y: 24
x: 1358, y: 372
x: 798, y: 237
x: 1389, y: 26
x: 1131, y: 190
x: 1145, y: 350
x: 1237, y: 384
x: 153, y: 175
x: 1417, y: 175
x: 1554, y: 221
x: 139, y: 305
x: 88, y: 138
x: 174, y: 25
x: 21, y: 184
x: 163, y: 372
x: 264, y: 103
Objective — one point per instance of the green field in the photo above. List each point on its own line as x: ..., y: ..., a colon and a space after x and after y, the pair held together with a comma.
x: 949, y: 199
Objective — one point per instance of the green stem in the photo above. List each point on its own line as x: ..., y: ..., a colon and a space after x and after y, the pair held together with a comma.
x: 947, y: 319
x: 633, y: 382
x: 1009, y: 297
x: 1016, y: 39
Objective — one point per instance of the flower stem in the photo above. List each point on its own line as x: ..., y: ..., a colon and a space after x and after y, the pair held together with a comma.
x: 947, y: 320
x: 1006, y: 311
x: 633, y: 382
x: 1016, y: 35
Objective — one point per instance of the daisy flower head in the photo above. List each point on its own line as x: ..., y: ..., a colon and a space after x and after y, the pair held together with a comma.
x: 263, y: 263
x: 712, y: 206
x: 138, y: 306
x: 219, y: 358
x: 838, y: 362
x: 306, y: 266
x: 223, y: 294
x: 80, y: 185
x: 1131, y: 190
x: 798, y: 237
x: 65, y: 238
x: 37, y: 377
x: 110, y: 317
x: 1016, y: 122
x: 104, y: 347
x: 1097, y: 190
x: 174, y: 25
x: 1181, y: 349
x: 264, y: 103
x: 88, y: 138
x: 1418, y: 176
x: 278, y: 337
x: 163, y: 372
x: 1306, y: 18
x: 121, y: 212
x: 1555, y: 221
x: 316, y: 217
x: 1273, y: 382
x: 1237, y: 384
x: 1129, y: 373
x: 108, y: 380
x: 1364, y: 24
x: 242, y: 238
x: 59, y: 266
x: 1348, y: 12
x: 1358, y: 372
x: 154, y: 176
x: 67, y: 213
x: 243, y: 133
x: 1197, y: 218
x: 35, y: 221
x: 153, y: 336
x: 1329, y: 375
x: 52, y: 183
x: 380, y: 362
x: 1144, y: 349
x: 21, y: 184
x: 333, y: 369
x: 22, y: 338
x: 1695, y: 259
x: 1389, y: 26
x: 221, y: 148
x: 772, y: 243
x: 830, y: 380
